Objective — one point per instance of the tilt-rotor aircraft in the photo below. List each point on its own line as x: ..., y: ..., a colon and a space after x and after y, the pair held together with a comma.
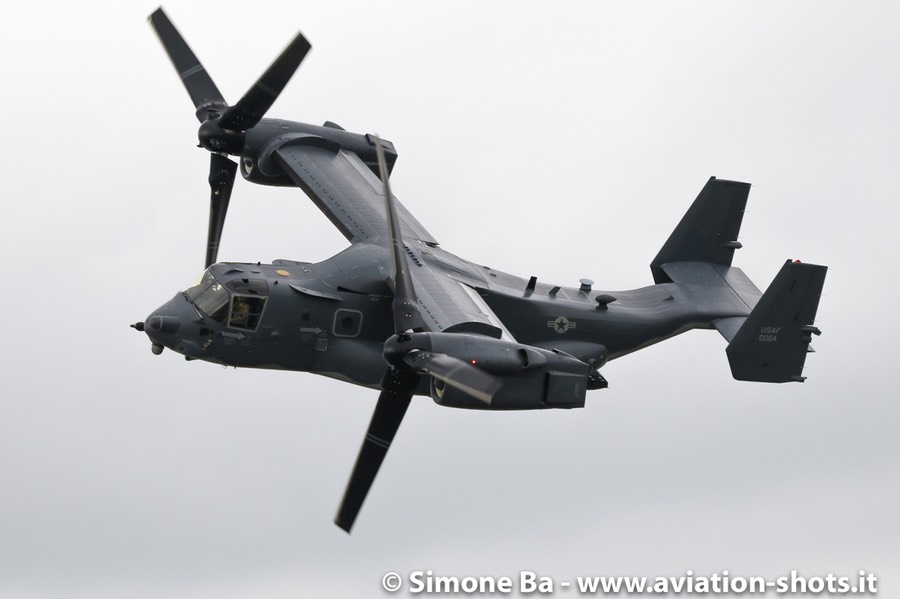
x: 397, y: 312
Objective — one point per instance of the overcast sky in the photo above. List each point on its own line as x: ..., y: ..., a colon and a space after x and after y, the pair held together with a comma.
x: 562, y: 141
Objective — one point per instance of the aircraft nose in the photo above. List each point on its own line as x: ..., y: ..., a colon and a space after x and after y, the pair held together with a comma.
x: 163, y: 323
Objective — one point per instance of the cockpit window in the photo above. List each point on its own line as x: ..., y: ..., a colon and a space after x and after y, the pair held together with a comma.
x: 213, y: 301
x: 239, y: 303
x: 205, y: 280
x: 249, y: 286
x: 245, y: 312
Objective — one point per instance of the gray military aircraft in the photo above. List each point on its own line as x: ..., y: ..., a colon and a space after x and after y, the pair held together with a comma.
x: 397, y: 312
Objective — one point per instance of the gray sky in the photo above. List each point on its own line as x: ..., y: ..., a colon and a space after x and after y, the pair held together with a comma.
x: 561, y: 142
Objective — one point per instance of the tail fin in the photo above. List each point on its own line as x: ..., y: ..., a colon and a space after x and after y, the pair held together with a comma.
x: 772, y: 344
x: 708, y: 231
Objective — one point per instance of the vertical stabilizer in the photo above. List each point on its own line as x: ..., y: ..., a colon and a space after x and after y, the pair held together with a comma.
x: 708, y: 231
x: 772, y: 344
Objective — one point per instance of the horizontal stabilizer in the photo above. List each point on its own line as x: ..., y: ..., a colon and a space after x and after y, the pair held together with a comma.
x: 708, y: 231
x: 729, y: 327
x: 772, y: 343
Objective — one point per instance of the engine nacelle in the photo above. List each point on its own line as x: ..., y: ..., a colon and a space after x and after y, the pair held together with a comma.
x: 533, y: 378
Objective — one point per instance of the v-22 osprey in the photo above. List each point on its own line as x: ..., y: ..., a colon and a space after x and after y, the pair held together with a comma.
x: 398, y: 313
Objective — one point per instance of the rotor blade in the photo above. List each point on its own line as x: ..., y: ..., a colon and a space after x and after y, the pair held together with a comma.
x: 196, y: 80
x: 259, y: 98
x: 456, y: 373
x: 406, y: 305
x: 389, y: 412
x: 221, y: 181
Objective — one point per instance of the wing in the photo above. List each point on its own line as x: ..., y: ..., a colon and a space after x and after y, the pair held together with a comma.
x: 349, y: 194
x: 447, y: 296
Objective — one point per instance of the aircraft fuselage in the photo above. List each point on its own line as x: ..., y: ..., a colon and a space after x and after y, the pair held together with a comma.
x: 333, y: 317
